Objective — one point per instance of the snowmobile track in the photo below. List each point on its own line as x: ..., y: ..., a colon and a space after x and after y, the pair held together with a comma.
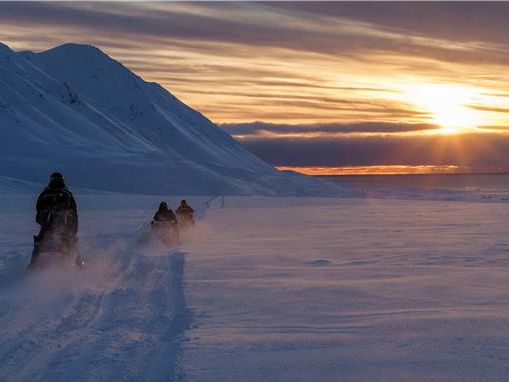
x: 121, y: 320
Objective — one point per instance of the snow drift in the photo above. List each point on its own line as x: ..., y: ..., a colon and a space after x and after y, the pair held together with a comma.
x: 75, y: 109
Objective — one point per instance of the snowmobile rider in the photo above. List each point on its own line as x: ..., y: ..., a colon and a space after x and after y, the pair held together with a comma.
x: 185, y: 213
x: 164, y: 214
x: 165, y: 222
x: 56, y: 207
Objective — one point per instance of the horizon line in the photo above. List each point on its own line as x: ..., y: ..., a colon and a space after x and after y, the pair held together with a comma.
x: 390, y: 170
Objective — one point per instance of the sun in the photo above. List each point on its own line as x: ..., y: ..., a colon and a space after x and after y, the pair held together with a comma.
x: 448, y: 106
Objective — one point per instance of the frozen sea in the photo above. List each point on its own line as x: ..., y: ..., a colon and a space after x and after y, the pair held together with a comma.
x: 467, y: 187
x: 383, y: 288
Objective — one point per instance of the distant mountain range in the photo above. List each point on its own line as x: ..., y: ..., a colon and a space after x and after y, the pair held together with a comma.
x: 76, y: 110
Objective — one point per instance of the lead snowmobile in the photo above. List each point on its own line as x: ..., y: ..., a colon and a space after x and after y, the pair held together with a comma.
x: 56, y: 243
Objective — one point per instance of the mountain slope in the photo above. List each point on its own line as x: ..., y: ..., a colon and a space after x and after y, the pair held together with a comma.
x: 75, y: 109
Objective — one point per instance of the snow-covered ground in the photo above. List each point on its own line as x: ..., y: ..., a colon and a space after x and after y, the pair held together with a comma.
x: 264, y: 289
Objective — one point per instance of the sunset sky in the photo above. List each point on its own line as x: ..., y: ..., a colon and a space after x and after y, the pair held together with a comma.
x: 329, y: 85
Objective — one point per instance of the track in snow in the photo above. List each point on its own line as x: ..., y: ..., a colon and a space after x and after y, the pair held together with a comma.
x: 122, y: 318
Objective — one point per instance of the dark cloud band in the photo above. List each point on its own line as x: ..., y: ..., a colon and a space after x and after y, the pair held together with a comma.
x: 475, y: 150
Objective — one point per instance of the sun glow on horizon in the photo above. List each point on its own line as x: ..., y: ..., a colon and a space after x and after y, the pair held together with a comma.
x: 375, y: 170
x: 448, y: 106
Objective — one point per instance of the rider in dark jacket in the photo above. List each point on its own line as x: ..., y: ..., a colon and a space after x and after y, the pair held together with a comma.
x: 185, y: 213
x: 56, y: 196
x: 165, y: 224
x: 164, y: 214
x: 56, y: 209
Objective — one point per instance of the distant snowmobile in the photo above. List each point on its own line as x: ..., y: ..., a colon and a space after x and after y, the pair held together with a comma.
x: 166, y: 232
x: 185, y: 215
x: 56, y: 242
x: 164, y: 227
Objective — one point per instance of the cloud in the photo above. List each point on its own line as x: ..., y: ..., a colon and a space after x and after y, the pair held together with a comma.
x: 254, y: 129
x: 455, y: 21
x: 287, y: 62
x: 446, y: 35
x: 362, y: 28
x: 481, y: 151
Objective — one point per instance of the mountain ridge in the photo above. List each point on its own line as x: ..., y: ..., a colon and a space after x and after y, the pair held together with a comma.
x: 75, y: 109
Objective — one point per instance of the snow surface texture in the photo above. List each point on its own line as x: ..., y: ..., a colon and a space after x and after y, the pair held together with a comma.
x: 264, y: 289
x: 76, y: 110
x: 349, y: 290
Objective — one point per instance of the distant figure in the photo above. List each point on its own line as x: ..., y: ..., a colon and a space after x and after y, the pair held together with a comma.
x: 58, y: 217
x: 185, y: 214
x: 164, y: 214
x: 165, y: 225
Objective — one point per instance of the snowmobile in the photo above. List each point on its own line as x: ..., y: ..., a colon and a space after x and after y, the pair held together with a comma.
x: 185, y: 215
x: 185, y: 221
x: 166, y: 232
x: 56, y: 245
x: 55, y: 249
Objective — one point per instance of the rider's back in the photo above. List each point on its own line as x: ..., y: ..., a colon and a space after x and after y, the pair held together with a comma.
x: 164, y: 216
x: 185, y: 210
x: 56, y: 206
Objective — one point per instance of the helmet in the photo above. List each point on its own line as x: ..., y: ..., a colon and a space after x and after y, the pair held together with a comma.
x: 56, y: 176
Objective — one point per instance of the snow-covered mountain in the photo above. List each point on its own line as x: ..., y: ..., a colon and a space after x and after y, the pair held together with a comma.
x: 76, y: 110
